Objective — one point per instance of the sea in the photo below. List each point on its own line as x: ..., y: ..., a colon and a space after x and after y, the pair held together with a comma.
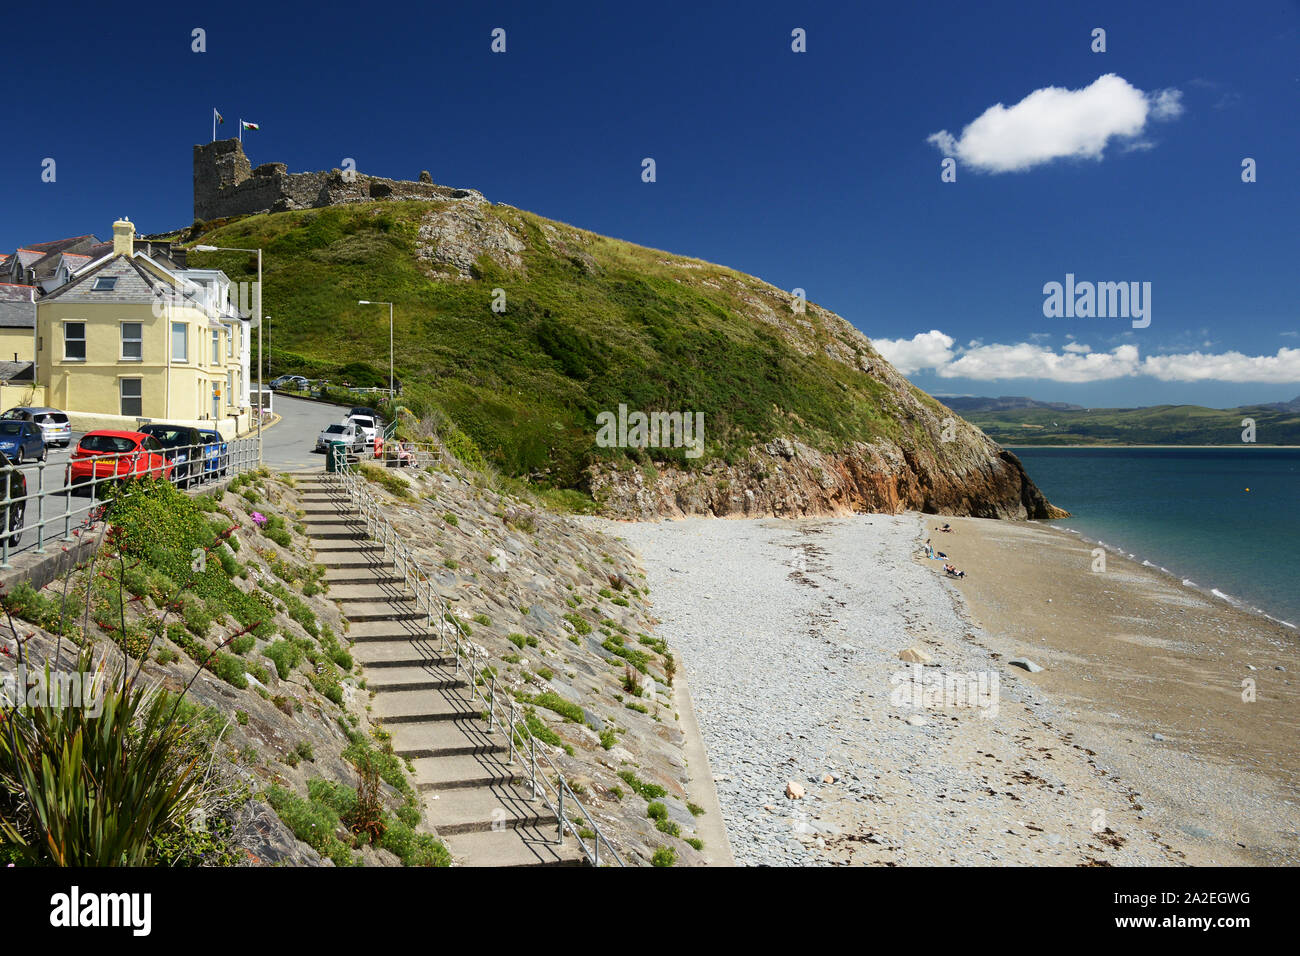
x: 1225, y: 521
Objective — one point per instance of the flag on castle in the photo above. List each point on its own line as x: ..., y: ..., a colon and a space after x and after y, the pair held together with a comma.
x: 245, y: 124
x: 216, y: 118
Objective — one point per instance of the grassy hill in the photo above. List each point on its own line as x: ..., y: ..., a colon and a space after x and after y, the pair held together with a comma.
x: 1156, y: 425
x: 591, y: 323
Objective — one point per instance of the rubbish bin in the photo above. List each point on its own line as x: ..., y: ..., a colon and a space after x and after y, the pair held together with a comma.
x: 335, y: 456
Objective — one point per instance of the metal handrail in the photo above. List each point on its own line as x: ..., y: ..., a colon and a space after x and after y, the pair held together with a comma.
x: 420, y: 581
x: 103, y: 469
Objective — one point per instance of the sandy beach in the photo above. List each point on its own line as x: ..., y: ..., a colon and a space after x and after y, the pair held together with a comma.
x: 1133, y: 653
x: 1133, y: 745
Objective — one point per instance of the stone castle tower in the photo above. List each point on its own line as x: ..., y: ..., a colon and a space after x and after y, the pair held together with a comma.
x: 226, y: 184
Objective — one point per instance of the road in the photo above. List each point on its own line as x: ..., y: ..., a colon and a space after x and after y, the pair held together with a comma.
x: 289, y: 444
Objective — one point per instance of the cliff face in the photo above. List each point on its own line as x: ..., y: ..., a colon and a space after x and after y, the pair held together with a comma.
x: 935, y: 461
x: 789, y: 479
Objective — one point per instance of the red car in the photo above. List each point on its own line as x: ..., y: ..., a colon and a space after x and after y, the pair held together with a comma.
x: 108, y: 455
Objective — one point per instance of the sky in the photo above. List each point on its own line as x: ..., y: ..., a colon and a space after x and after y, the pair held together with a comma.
x: 821, y: 170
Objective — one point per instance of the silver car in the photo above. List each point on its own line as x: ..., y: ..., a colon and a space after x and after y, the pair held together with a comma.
x: 54, y: 425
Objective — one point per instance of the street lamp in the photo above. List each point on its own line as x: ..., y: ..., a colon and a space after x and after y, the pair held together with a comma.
x: 392, y: 392
x: 261, y: 399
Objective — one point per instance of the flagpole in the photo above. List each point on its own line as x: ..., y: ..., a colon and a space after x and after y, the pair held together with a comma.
x: 214, y: 124
x: 241, y: 129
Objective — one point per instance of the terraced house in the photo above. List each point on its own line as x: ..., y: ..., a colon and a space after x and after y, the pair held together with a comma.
x: 131, y: 337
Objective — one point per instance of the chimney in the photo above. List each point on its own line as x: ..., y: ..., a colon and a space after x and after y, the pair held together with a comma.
x: 123, y: 237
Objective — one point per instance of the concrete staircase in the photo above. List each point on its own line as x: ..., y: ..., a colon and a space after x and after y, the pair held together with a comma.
x: 479, y: 805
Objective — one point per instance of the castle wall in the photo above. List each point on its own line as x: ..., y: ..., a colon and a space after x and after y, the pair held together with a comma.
x: 225, y: 184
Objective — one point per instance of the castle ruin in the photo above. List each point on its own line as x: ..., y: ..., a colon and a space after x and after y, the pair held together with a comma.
x: 226, y: 184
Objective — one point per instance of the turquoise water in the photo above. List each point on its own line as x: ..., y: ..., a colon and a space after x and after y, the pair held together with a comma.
x: 1188, y: 510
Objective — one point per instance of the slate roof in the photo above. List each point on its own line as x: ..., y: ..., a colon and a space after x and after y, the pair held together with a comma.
x: 58, y: 245
x: 11, y: 371
x: 16, y: 309
x: 134, y: 284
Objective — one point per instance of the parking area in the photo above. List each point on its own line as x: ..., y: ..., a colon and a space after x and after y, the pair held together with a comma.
x: 289, y: 445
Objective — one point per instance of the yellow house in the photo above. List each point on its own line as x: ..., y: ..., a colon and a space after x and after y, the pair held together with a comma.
x: 128, y: 340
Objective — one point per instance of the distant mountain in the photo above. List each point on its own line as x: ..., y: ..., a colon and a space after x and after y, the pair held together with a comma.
x: 1291, y: 406
x: 975, y: 403
x: 1041, y: 423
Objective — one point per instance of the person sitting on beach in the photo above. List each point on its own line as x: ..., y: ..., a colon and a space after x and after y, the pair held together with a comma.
x: 953, y: 572
x: 946, y: 527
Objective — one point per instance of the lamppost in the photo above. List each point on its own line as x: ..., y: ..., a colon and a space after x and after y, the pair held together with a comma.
x: 257, y: 296
x: 392, y: 392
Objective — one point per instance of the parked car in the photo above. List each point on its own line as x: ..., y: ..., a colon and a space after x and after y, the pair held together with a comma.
x: 365, y: 427
x: 22, y: 441
x: 114, y: 455
x: 345, y: 432
x: 296, y: 382
x: 15, y: 509
x: 368, y: 412
x: 183, y: 448
x: 54, y: 424
x: 216, y: 453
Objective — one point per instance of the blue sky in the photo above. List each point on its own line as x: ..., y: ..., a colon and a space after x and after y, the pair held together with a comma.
x: 818, y: 170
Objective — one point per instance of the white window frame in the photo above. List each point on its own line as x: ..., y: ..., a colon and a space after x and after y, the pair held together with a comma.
x: 216, y: 346
x: 122, y: 396
x: 184, y: 327
x: 230, y: 341
x: 82, y: 340
x: 123, y: 340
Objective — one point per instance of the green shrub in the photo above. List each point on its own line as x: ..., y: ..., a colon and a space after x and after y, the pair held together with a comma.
x: 414, y: 849
x: 579, y: 622
x: 312, y: 821
x: 554, y: 702
x: 650, y: 791
x: 230, y: 669
x: 664, y: 856
x: 286, y: 656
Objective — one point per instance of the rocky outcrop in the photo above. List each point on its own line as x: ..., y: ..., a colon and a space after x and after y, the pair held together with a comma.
x: 788, y: 479
x: 453, y: 237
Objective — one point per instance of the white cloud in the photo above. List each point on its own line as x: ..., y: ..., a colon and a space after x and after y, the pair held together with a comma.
x: 1055, y: 123
x: 924, y: 350
x: 1166, y: 104
x: 1279, y: 369
x: 1078, y: 363
x: 1027, y: 360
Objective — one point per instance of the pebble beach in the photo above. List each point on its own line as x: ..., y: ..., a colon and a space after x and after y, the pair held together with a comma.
x: 859, y: 707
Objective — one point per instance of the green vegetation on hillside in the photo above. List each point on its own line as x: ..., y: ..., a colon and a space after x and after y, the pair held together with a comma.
x: 1157, y: 425
x: 585, y: 329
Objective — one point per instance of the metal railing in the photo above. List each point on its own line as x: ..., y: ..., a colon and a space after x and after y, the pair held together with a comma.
x: 451, y: 639
x: 49, y: 509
